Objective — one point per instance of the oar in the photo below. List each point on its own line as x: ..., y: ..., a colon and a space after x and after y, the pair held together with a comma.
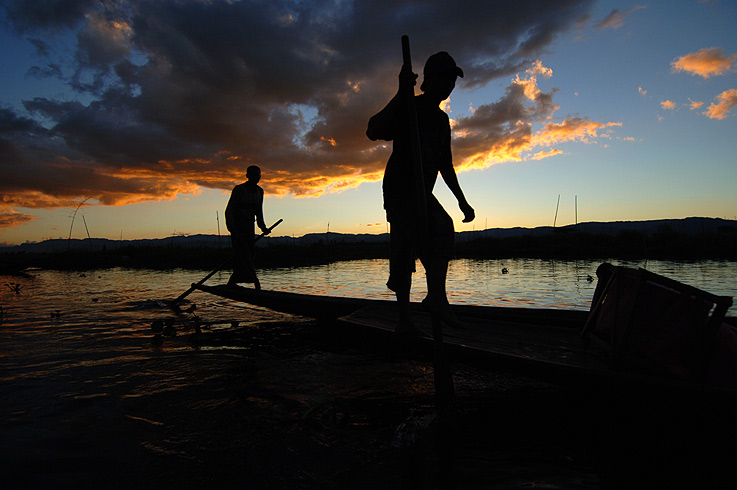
x: 441, y: 369
x: 194, y: 285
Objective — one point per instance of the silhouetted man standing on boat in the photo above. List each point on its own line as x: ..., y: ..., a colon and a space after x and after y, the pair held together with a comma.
x: 408, y: 241
x: 244, y: 206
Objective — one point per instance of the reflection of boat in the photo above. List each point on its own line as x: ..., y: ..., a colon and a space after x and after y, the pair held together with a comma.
x: 545, y: 342
x: 13, y: 268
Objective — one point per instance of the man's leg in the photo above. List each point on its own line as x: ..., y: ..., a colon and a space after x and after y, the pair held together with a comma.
x: 238, y: 264
x: 401, y: 267
x: 405, y: 326
x: 435, y: 259
x: 243, y: 270
x: 436, y: 301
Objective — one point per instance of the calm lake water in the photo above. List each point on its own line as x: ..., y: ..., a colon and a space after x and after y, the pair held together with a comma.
x: 262, y: 400
x: 531, y: 283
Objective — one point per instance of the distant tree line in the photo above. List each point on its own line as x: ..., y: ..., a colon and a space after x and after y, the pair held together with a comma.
x: 628, y: 244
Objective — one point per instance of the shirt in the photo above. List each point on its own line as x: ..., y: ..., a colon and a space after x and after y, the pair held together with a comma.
x: 244, y: 206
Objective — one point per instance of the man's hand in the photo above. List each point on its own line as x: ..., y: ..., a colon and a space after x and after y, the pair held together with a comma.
x: 407, y: 78
x: 468, y: 213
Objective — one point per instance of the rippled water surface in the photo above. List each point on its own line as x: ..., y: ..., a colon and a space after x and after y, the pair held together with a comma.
x: 91, y: 399
x: 510, y: 282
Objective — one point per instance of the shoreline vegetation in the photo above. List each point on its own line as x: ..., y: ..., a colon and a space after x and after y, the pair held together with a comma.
x: 664, y: 242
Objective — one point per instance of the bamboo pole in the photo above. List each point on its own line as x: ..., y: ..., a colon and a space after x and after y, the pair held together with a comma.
x: 444, y: 389
x: 194, y: 285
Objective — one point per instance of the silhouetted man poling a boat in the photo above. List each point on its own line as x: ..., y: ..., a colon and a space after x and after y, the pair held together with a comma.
x: 414, y: 232
x: 244, y: 207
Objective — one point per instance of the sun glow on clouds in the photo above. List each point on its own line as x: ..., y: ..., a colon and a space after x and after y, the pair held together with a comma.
x: 694, y: 104
x: 160, y: 100
x: 706, y: 63
x: 309, y: 185
x: 503, y: 131
x: 169, y: 98
x: 726, y: 101
x: 10, y: 218
x: 573, y: 129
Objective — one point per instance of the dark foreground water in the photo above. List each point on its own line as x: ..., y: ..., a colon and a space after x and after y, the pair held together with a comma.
x: 90, y: 398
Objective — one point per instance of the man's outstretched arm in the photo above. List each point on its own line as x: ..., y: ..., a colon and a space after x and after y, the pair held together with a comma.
x: 451, y: 180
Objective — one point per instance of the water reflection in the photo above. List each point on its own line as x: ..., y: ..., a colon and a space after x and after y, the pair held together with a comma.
x: 497, y: 282
x: 87, y: 395
x: 50, y: 298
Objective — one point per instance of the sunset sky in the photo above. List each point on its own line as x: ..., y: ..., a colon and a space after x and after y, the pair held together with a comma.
x: 145, y: 114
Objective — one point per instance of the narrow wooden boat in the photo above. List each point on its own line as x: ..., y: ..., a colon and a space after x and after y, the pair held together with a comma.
x: 541, y: 342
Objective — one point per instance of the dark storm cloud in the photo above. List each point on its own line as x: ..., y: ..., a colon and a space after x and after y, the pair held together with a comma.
x: 46, y: 14
x: 188, y: 93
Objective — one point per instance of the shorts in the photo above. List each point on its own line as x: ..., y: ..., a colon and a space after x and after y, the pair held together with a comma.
x: 407, y: 242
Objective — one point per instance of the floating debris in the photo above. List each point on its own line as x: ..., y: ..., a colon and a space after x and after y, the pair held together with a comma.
x: 169, y: 329
x: 157, y: 326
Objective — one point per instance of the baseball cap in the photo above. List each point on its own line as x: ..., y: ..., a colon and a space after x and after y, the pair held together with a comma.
x: 441, y: 62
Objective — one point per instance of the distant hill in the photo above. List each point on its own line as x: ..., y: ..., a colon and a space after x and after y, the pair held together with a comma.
x: 689, y: 226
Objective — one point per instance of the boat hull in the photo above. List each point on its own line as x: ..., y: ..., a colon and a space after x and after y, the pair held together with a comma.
x: 542, y: 342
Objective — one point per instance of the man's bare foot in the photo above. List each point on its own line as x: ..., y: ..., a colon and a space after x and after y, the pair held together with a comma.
x: 441, y: 308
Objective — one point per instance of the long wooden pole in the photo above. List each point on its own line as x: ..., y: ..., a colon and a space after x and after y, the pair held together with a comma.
x: 443, y: 378
x: 441, y: 370
x: 194, y: 285
x: 416, y: 145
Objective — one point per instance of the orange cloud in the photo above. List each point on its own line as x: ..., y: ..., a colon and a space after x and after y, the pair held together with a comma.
x: 706, y: 63
x: 668, y: 105
x: 309, y: 185
x: 726, y: 101
x: 10, y: 218
x: 574, y: 129
x: 538, y: 69
x: 503, y: 131
x: 694, y: 104
x: 545, y: 154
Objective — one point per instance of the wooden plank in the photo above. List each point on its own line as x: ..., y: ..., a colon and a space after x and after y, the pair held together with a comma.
x: 536, y: 341
x: 556, y: 354
x: 526, y: 341
x: 313, y: 306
